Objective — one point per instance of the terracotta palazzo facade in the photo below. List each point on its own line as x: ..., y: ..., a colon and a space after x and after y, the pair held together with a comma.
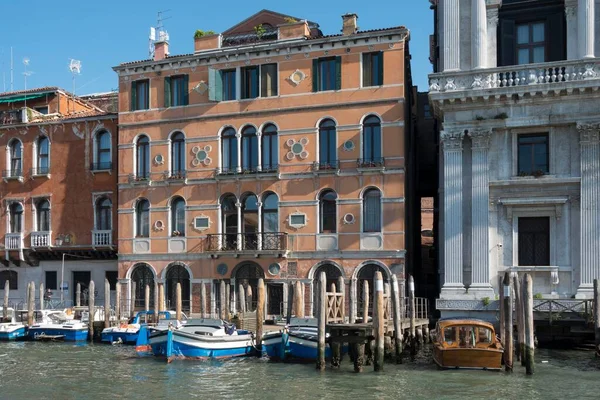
x: 269, y: 153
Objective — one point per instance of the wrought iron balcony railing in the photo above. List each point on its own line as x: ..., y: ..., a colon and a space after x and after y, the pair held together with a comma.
x: 332, y: 165
x: 271, y: 241
x: 370, y: 162
x: 11, y: 117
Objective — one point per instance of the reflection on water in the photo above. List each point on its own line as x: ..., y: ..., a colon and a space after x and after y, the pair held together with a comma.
x: 67, y: 371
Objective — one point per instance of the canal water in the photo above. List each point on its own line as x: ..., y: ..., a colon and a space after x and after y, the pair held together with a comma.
x: 31, y: 370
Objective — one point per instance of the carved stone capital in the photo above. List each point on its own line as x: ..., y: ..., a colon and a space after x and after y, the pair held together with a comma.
x: 492, y: 17
x: 589, y: 133
x: 480, y: 137
x: 570, y: 8
x: 452, y: 139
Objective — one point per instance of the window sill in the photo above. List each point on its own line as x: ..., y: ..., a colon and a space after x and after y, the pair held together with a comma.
x: 13, y: 178
x: 530, y: 177
x: 101, y: 171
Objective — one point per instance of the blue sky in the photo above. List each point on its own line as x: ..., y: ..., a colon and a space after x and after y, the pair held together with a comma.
x: 105, y: 33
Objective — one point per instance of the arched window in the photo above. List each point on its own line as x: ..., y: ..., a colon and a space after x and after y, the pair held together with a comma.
x: 43, y: 150
x: 270, y: 223
x: 249, y: 149
x: 12, y: 277
x: 247, y: 275
x: 143, y: 276
x: 142, y: 218
x: 103, y: 145
x: 43, y: 215
x: 372, y: 210
x: 103, y: 214
x: 178, y: 217
x: 367, y: 274
x: 332, y: 273
x: 16, y: 218
x: 178, y: 155
x: 229, y: 222
x: 250, y: 222
x: 327, y: 145
x: 177, y: 274
x: 269, y: 148
x: 229, y: 151
x: 143, y: 157
x: 16, y: 158
x: 328, y: 211
x: 371, y: 140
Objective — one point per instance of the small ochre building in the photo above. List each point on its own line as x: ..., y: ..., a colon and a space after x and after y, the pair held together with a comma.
x: 272, y: 151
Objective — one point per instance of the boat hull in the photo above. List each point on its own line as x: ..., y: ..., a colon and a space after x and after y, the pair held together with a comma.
x: 69, y: 335
x: 173, y: 344
x: 123, y: 337
x: 13, y: 333
x: 470, y: 358
x: 305, y: 348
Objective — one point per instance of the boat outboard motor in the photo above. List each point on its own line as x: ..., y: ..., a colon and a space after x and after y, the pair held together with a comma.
x: 229, y: 328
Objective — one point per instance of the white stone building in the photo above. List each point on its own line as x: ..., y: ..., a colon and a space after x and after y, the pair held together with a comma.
x: 516, y: 93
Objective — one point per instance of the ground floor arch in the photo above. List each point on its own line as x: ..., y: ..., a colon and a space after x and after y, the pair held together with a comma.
x: 142, y: 275
x: 177, y: 273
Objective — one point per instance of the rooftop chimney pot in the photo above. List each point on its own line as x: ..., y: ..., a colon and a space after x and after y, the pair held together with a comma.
x: 161, y: 50
x: 349, y: 26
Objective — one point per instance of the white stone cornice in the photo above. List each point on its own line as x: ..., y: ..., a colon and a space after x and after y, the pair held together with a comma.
x: 589, y: 133
x: 452, y: 139
x: 480, y: 137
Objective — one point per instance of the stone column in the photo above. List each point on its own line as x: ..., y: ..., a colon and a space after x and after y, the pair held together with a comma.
x: 453, y: 219
x: 590, y: 208
x: 450, y: 35
x: 478, y: 34
x: 259, y: 235
x: 492, y: 36
x: 480, y: 195
x: 571, y: 18
x: 586, y: 20
x: 240, y: 228
x: 238, y: 138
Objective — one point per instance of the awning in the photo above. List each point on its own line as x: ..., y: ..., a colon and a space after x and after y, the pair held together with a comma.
x: 23, y: 97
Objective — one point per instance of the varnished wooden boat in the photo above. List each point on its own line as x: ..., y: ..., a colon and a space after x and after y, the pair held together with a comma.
x: 466, y: 343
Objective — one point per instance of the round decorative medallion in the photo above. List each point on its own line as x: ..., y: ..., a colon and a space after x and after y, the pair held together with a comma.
x: 349, y: 218
x: 348, y: 145
x: 297, y: 76
x: 159, y: 159
x: 222, y: 269
x: 201, y: 155
x: 159, y: 225
x: 297, y: 148
x: 274, y: 269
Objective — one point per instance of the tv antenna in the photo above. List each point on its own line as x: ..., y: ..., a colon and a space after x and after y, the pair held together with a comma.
x: 157, y: 33
x: 75, y: 68
x: 26, y: 74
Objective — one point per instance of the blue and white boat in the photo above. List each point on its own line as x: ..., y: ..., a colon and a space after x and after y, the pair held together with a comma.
x: 15, y: 329
x: 198, y: 339
x: 59, y: 326
x: 299, y: 341
x: 127, y: 333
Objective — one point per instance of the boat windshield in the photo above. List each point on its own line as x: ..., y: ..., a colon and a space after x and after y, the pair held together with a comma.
x: 58, y: 318
x: 467, y: 336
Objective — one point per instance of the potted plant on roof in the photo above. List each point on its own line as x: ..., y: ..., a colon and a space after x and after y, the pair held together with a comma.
x: 206, y: 40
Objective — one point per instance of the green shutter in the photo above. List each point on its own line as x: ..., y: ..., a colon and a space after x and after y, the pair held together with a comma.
x: 215, y: 85
x: 167, y: 91
x: 133, y: 95
x: 315, y: 75
x: 186, y: 94
x: 338, y: 73
x: 380, y: 71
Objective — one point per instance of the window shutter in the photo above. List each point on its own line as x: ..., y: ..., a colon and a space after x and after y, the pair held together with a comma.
x: 555, y: 37
x: 338, y: 73
x: 507, y: 40
x: 186, y: 90
x: 168, y: 91
x: 315, y: 75
x: 133, y: 95
x: 380, y: 69
x: 215, y: 85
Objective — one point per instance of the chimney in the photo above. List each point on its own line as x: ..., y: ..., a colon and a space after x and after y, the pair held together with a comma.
x: 161, y: 50
x: 349, y: 24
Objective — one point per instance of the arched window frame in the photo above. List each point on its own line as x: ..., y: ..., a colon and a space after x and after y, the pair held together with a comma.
x: 14, y: 159
x: 148, y: 277
x: 372, y: 211
x: 142, y: 218
x: 177, y: 216
x: 328, y: 157
x: 249, y: 149
x: 229, y: 207
x: 250, y: 212
x: 267, y: 210
x: 142, y: 158
x: 269, y: 148
x: 12, y: 277
x: 229, y: 151
x: 41, y: 159
x: 177, y: 151
x: 103, y: 214
x: 102, y: 151
x: 371, y: 142
x: 16, y: 217
x: 43, y: 215
x: 328, y: 216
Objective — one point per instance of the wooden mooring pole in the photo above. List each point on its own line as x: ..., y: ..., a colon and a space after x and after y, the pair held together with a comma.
x: 519, y: 318
x: 378, y: 322
x: 501, y: 296
x: 227, y: 300
x: 118, y: 302
x: 30, y: 303
x: 156, y: 302
x: 203, y: 300
x: 242, y: 298
x: 106, y: 303
x: 365, y: 310
x: 78, y: 295
x: 161, y: 297
x: 91, y: 309
x: 529, y: 333
x: 178, y: 302
x: 290, y: 303
x: 298, y: 300
x: 322, y: 317
x: 5, y: 304
x: 147, y: 297
x: 398, y: 334
x: 260, y: 314
x: 508, y: 324
x: 597, y: 315
x: 41, y: 295
x: 132, y: 304
x: 249, y: 298
x: 222, y: 306
x: 411, y: 308
x: 336, y: 347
